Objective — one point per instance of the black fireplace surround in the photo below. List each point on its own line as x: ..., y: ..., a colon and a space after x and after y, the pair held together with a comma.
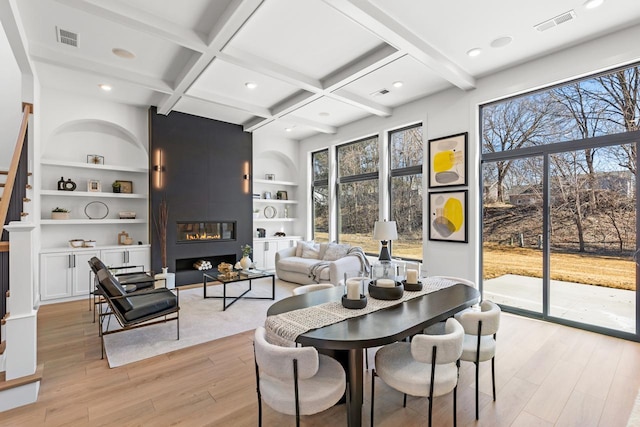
x: 205, y: 169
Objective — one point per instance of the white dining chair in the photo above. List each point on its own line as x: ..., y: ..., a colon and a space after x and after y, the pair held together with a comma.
x: 457, y: 280
x: 480, y: 328
x: 296, y: 380
x: 427, y: 366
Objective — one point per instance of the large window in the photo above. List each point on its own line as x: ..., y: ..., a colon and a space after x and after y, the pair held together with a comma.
x: 358, y: 193
x: 320, y: 194
x: 559, y: 202
x: 405, y: 156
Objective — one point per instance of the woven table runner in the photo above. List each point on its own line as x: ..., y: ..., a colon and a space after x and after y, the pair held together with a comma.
x: 284, y: 328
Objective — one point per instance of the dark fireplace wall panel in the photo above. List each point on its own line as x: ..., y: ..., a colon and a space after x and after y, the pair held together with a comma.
x: 203, y: 166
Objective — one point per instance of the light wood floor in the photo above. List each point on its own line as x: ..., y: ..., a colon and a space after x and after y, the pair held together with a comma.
x: 546, y: 375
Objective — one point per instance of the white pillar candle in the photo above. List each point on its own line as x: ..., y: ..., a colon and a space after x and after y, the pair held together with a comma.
x: 385, y: 283
x: 412, y: 276
x: 353, y: 289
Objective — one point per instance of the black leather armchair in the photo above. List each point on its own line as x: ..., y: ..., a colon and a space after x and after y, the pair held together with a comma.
x: 135, y: 310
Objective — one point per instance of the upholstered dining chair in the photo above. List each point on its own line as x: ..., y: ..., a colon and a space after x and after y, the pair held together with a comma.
x: 480, y: 329
x: 457, y: 280
x: 310, y: 288
x: 427, y: 366
x: 296, y: 380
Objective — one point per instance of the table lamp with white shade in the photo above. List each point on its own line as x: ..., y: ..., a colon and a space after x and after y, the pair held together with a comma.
x: 385, y: 231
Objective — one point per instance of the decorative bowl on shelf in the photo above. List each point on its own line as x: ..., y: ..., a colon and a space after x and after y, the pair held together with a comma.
x: 384, y: 292
x: 89, y: 244
x: 76, y: 243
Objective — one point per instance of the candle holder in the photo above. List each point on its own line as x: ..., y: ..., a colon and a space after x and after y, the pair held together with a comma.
x: 384, y: 293
x: 354, y: 304
x: 412, y: 286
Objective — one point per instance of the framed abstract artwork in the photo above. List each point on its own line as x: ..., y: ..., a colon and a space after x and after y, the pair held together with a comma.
x: 448, y: 161
x: 448, y: 216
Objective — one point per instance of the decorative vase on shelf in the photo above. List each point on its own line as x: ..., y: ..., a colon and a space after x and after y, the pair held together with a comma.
x: 246, y: 262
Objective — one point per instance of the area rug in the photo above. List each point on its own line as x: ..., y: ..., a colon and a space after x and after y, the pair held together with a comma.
x: 201, y: 320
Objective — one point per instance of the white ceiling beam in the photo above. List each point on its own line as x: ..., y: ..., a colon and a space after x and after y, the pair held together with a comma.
x: 320, y: 127
x: 236, y: 15
x: 255, y: 124
x: 225, y: 101
x: 360, y: 102
x: 371, y: 61
x: 391, y: 31
x: 120, y: 13
x: 39, y: 52
x: 277, y: 71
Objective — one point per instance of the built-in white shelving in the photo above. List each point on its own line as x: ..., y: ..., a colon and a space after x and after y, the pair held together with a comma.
x: 63, y: 163
x: 91, y: 221
x: 58, y: 193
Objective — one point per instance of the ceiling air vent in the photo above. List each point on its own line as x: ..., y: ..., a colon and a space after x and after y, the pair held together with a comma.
x: 380, y: 92
x: 554, y: 22
x: 67, y: 37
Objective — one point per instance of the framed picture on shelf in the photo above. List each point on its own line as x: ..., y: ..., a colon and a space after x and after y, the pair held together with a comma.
x: 448, y: 161
x: 125, y: 186
x: 448, y: 216
x: 94, y: 186
x: 95, y: 159
x: 267, y: 194
x: 281, y: 195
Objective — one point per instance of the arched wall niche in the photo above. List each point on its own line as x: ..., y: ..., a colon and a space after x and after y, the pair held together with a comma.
x: 275, y: 162
x: 74, y: 140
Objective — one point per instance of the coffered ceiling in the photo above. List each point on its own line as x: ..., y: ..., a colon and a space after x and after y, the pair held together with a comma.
x: 316, y: 64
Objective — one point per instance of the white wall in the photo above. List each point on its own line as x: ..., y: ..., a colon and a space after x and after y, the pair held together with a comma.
x: 10, y: 101
x: 454, y: 111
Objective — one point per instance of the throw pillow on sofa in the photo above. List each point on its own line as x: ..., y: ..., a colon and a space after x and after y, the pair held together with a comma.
x: 302, y: 243
x: 310, y: 250
x: 335, y: 251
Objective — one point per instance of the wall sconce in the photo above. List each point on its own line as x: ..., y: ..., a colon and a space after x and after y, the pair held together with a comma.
x: 159, y: 170
x: 246, y: 176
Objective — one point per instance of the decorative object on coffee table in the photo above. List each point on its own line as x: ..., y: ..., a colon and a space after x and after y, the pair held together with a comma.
x: 246, y: 262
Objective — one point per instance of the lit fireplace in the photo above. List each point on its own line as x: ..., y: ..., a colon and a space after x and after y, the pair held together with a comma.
x: 205, y: 231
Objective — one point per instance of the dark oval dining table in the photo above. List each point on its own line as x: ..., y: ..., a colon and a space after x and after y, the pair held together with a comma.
x: 346, y: 340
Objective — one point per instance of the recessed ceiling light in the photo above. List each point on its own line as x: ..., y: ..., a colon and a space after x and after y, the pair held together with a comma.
x: 288, y: 129
x: 474, y: 52
x: 123, y: 53
x: 591, y: 4
x: 105, y: 87
x: 324, y: 114
x: 251, y: 85
x: 397, y: 84
x: 501, y: 41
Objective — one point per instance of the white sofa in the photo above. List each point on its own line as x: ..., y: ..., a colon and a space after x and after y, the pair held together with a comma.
x: 310, y: 262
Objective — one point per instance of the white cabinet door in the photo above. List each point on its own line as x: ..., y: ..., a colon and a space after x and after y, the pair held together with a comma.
x: 258, y: 254
x: 139, y: 256
x: 81, y: 276
x: 129, y: 256
x: 113, y: 257
x: 56, y: 275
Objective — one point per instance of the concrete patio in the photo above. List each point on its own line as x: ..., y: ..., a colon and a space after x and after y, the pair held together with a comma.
x: 593, y: 305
